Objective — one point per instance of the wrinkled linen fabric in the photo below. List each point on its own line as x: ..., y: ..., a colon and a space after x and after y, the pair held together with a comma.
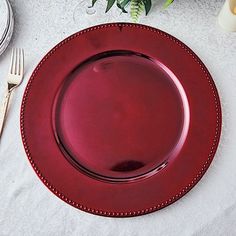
x: 27, y: 207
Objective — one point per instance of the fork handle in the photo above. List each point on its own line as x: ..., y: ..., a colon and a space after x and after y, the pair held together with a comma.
x: 4, y: 110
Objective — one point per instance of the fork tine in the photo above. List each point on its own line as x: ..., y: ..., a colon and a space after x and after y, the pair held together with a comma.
x: 12, y: 61
x: 17, y: 61
x: 19, y: 58
x: 22, y: 62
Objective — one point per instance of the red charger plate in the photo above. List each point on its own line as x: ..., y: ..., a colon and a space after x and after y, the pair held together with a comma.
x: 120, y: 119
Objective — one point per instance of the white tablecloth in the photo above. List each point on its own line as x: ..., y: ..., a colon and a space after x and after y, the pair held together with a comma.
x: 26, y: 205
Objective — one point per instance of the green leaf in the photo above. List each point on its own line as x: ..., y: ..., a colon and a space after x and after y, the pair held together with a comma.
x: 136, y: 9
x: 93, y: 2
x: 110, y: 3
x: 122, y: 4
x: 167, y: 3
x: 147, y: 5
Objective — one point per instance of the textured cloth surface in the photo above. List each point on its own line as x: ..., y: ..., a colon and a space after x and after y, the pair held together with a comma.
x: 26, y: 205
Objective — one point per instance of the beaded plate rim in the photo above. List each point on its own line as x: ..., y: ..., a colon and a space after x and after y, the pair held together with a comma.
x: 171, y: 200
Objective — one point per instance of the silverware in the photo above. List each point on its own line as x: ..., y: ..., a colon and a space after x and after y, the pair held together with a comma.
x: 14, y: 79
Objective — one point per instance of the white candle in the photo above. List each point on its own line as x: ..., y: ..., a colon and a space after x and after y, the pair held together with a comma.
x: 227, y: 16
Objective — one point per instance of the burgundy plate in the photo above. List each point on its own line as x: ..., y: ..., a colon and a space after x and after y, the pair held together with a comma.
x: 120, y: 119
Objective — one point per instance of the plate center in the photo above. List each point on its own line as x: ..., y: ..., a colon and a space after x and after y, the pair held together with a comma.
x: 120, y: 116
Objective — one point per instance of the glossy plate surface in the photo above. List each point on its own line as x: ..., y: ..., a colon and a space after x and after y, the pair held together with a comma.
x: 124, y: 111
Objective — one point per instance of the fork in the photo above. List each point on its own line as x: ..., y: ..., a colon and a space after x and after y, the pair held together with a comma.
x: 14, y: 79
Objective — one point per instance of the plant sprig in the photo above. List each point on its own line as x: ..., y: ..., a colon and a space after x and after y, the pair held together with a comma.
x: 137, y: 7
